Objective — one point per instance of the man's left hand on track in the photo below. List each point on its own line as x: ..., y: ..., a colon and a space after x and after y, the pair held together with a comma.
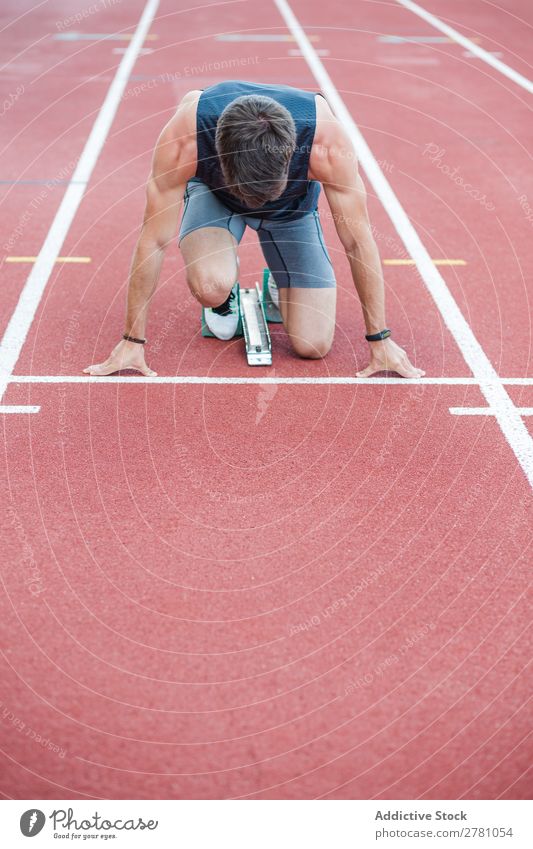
x: 386, y: 355
x: 125, y: 355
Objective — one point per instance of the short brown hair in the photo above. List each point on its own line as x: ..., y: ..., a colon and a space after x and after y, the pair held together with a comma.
x: 255, y: 139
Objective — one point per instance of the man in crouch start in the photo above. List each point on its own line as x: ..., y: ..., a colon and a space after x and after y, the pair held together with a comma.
x: 237, y: 155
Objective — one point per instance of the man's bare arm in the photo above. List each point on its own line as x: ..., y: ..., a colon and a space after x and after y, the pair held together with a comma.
x: 335, y: 165
x: 163, y: 204
x: 348, y: 208
x: 174, y: 162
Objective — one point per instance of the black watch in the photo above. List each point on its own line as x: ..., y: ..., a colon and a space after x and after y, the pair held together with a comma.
x: 377, y: 337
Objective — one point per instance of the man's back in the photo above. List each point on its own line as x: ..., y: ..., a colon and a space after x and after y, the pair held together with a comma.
x: 301, y: 194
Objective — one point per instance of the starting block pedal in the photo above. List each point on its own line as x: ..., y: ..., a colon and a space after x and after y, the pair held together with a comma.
x: 272, y: 312
x: 256, y: 333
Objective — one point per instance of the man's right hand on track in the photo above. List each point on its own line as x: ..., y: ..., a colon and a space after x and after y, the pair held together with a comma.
x: 388, y: 356
x: 123, y: 356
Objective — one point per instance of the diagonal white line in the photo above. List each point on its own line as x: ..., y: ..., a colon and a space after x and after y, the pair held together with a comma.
x: 487, y: 57
x: 30, y: 297
x: 498, y: 399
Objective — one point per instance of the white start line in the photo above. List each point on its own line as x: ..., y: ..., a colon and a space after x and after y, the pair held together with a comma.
x: 340, y: 380
x: 199, y: 380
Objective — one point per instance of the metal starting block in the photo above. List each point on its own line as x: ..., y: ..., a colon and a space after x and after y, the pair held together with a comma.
x: 254, y: 323
x: 256, y: 308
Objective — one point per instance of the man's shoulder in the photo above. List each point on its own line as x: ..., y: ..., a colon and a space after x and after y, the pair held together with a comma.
x: 183, y: 122
x: 176, y: 151
x: 329, y: 138
x: 329, y: 130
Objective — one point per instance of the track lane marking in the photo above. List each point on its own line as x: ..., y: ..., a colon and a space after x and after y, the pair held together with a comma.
x: 507, y: 416
x: 58, y: 259
x: 419, y: 39
x: 413, y: 262
x: 467, y: 43
x: 303, y: 381
x: 486, y: 411
x: 30, y: 297
x: 414, y: 39
x: 99, y: 36
x: 258, y: 36
x: 6, y: 409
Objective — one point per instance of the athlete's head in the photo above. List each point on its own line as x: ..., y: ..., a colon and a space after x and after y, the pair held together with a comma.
x: 255, y: 139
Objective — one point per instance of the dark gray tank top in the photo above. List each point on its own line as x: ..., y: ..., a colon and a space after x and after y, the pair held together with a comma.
x: 301, y: 194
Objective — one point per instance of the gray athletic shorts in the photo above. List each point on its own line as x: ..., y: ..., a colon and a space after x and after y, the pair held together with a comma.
x: 294, y: 250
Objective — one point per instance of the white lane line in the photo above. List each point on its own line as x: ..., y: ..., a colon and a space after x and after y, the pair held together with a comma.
x: 445, y: 262
x: 498, y: 399
x: 65, y: 259
x: 19, y: 409
x: 132, y: 379
x: 30, y: 297
x: 98, y: 36
x: 258, y: 36
x: 412, y: 39
x: 408, y: 60
x: 486, y: 411
x: 467, y: 43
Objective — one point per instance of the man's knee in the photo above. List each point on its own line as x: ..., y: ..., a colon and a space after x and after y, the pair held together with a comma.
x: 209, y: 285
x: 311, y: 349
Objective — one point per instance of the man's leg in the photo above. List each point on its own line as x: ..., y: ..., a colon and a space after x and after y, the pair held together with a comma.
x: 208, y: 240
x: 297, y: 257
x: 309, y: 319
x: 210, y: 256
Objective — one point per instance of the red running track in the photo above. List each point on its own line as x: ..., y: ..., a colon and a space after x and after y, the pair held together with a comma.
x: 267, y: 591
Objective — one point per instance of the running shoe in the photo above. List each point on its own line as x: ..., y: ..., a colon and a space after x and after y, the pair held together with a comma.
x: 223, y: 320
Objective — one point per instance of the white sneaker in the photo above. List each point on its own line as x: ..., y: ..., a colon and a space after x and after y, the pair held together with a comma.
x: 273, y: 290
x: 223, y: 321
